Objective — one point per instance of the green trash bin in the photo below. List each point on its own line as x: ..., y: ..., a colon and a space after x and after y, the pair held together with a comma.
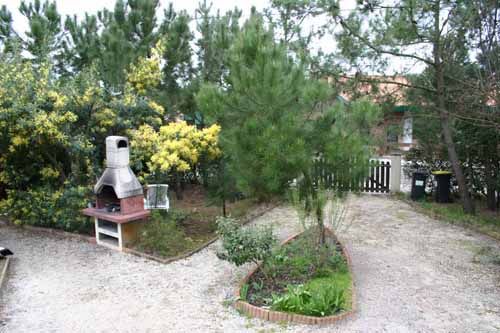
x: 418, y: 185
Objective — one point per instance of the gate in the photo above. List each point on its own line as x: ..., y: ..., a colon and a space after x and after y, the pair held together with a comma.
x: 378, y: 179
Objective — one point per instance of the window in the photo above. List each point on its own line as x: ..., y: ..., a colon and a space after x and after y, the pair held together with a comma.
x: 408, y: 130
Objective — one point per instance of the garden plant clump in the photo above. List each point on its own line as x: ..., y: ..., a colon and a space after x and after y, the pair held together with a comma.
x: 164, y: 235
x: 301, y: 276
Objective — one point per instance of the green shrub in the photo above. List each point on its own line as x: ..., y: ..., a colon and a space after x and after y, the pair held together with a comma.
x: 46, y: 207
x: 320, y: 300
x: 243, y: 245
x: 163, y: 236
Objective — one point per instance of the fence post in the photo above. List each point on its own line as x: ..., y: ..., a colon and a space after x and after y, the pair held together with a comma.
x: 395, y: 184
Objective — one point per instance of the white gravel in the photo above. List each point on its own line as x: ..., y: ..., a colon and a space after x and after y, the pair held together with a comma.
x: 413, y: 274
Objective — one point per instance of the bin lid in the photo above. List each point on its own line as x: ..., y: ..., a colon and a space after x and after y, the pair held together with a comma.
x: 441, y: 172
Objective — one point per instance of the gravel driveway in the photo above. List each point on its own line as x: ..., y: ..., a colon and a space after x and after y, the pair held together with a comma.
x: 412, y: 274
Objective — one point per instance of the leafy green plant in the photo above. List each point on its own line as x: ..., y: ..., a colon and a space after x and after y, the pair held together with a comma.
x: 325, y: 301
x: 243, y: 245
x: 321, y: 300
x: 244, y: 291
x: 293, y: 301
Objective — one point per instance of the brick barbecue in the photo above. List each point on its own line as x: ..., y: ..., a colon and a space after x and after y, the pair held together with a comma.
x: 119, y: 209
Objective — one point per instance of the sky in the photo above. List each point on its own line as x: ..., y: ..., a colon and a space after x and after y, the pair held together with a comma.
x: 79, y: 7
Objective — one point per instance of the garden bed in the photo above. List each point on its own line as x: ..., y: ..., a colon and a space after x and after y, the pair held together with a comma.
x: 190, y: 225
x: 301, y: 283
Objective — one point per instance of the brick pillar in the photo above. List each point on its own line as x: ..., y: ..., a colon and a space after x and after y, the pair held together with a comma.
x: 395, y: 184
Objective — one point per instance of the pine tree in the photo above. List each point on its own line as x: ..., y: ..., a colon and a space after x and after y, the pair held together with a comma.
x: 217, y: 34
x: 259, y: 112
x: 8, y: 37
x: 44, y: 34
x: 128, y: 32
x: 276, y: 124
x: 178, y: 68
x: 82, y: 46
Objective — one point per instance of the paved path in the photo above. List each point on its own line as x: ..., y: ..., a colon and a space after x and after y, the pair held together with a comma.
x: 413, y: 274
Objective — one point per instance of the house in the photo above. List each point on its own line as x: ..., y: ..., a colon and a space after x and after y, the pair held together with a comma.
x: 395, y: 133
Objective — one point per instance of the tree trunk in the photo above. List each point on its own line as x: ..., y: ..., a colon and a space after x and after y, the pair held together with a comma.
x: 224, y: 213
x: 450, y: 145
x: 178, y: 188
x: 321, y: 224
x: 222, y: 183
x: 491, y: 197
x: 444, y: 117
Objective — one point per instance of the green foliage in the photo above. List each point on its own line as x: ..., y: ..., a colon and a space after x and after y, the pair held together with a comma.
x: 244, y: 245
x: 298, y: 274
x: 303, y: 259
x: 178, y: 68
x: 319, y: 299
x: 44, y: 27
x: 163, y: 236
x: 347, y: 163
x: 217, y: 34
x: 46, y: 207
x: 127, y: 34
x: 244, y: 292
x: 263, y: 113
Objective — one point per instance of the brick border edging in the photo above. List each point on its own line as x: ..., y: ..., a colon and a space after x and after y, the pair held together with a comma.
x: 246, y: 220
x: 278, y: 316
x: 3, y: 273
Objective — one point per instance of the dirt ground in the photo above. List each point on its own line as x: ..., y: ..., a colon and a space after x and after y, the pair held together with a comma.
x: 412, y: 274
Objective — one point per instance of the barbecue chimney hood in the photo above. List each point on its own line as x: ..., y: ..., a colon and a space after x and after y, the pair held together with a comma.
x: 118, y: 174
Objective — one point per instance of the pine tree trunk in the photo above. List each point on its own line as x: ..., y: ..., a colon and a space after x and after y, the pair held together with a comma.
x: 444, y: 117
x: 491, y: 197
x: 224, y: 213
x: 322, y: 232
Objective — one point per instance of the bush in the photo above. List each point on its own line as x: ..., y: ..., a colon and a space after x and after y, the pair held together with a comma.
x: 163, y: 236
x: 321, y: 299
x: 46, y: 207
x: 243, y: 245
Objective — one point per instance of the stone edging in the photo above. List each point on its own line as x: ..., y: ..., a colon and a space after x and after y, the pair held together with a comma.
x: 199, y: 248
x: 3, y: 273
x: 278, y: 316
